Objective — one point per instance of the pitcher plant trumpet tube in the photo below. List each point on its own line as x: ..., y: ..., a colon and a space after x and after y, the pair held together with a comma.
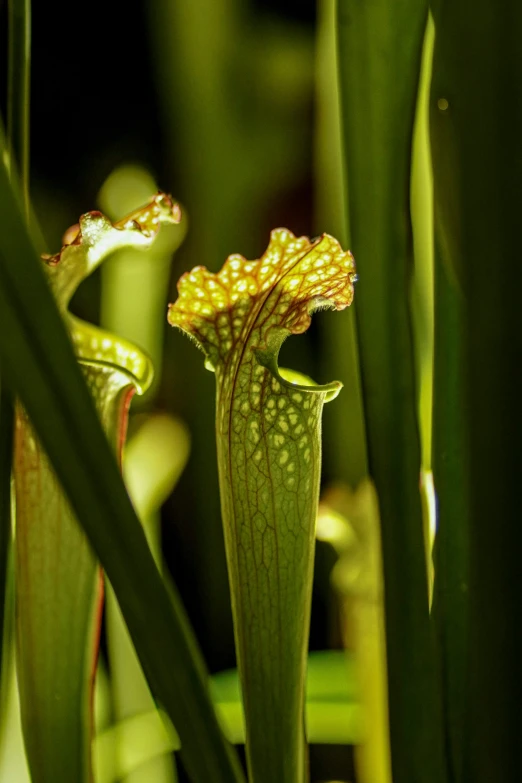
x: 58, y: 581
x: 268, y: 430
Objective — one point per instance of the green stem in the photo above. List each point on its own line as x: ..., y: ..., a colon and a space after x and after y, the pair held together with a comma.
x: 18, y: 91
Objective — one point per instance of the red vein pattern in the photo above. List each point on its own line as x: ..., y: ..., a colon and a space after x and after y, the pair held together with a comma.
x: 269, y: 455
x: 220, y: 310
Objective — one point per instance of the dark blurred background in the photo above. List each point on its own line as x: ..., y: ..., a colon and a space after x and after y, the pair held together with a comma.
x: 97, y: 99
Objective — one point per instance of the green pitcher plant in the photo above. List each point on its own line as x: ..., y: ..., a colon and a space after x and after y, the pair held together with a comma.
x: 268, y: 430
x: 59, y: 588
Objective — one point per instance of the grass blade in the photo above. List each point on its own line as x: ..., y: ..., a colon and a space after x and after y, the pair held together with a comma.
x: 40, y: 364
x: 380, y: 50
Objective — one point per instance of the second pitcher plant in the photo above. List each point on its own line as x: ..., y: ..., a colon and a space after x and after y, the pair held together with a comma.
x: 268, y: 427
x: 59, y: 596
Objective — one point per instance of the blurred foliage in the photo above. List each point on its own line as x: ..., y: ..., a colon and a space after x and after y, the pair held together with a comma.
x: 349, y: 521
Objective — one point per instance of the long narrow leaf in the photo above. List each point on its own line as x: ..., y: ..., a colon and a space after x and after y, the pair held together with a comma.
x: 380, y: 49
x: 450, y: 470
x: 477, y: 127
x: 450, y: 441
x: 39, y: 360
x: 16, y: 148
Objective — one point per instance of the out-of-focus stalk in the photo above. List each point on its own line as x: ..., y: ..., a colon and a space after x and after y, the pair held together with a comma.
x: 345, y: 455
x: 349, y: 521
x: 135, y: 284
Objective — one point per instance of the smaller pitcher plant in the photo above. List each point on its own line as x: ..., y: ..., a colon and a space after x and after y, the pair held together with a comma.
x: 268, y: 430
x: 59, y: 586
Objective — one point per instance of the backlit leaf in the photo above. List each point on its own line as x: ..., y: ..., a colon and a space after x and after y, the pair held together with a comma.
x: 268, y: 440
x: 59, y: 587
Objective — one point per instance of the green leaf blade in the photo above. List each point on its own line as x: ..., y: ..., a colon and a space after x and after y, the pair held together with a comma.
x: 380, y: 50
x: 476, y: 122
